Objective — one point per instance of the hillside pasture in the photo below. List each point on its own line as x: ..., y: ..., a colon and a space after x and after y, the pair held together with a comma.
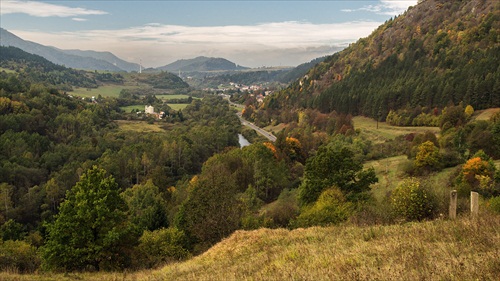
x: 368, y: 127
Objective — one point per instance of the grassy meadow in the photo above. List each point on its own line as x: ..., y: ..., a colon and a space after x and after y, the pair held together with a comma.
x: 177, y: 106
x: 385, y: 131
x: 463, y: 249
x: 109, y: 90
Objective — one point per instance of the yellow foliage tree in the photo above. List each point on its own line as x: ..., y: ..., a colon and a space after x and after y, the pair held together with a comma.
x: 476, y: 168
x: 469, y: 110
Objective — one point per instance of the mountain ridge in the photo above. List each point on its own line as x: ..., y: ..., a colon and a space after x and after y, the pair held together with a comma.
x: 68, y: 58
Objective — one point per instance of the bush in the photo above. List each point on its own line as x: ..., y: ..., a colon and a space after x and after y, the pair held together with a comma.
x: 411, y: 201
x: 494, y: 204
x: 331, y: 208
x: 160, y: 246
x: 18, y: 256
x: 283, y: 210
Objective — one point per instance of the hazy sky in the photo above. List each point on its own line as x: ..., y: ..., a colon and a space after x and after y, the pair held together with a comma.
x: 249, y: 33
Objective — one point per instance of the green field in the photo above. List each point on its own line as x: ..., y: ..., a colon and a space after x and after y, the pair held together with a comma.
x: 105, y: 91
x: 178, y: 106
x: 129, y: 108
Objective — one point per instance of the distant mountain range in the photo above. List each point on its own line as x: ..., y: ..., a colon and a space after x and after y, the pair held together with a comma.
x: 202, y: 64
x: 89, y: 60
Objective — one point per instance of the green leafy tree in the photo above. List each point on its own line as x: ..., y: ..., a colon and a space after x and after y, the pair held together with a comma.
x: 147, y: 208
x: 334, y: 165
x: 91, y: 230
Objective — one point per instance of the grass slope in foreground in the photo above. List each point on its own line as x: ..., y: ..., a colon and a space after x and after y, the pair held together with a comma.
x: 464, y: 249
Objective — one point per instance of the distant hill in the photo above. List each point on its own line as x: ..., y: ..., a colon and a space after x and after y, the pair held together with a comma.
x: 202, y: 64
x: 105, y: 56
x: 163, y: 80
x: 436, y: 53
x: 89, y: 60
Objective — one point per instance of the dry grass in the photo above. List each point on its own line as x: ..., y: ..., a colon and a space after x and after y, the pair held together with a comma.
x: 485, y: 114
x: 138, y: 126
x: 465, y: 249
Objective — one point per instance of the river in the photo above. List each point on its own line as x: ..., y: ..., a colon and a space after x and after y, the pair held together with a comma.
x: 243, y: 141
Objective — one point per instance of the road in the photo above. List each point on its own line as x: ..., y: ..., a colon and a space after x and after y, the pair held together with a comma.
x: 251, y: 125
x: 259, y: 130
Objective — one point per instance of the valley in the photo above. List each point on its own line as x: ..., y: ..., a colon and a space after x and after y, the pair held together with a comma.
x: 340, y: 168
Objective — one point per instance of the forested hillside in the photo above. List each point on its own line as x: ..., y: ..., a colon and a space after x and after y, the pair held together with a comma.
x: 436, y: 54
x: 35, y: 69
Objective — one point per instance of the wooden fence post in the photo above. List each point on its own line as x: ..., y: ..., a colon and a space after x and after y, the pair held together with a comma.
x: 474, y: 203
x: 453, y: 205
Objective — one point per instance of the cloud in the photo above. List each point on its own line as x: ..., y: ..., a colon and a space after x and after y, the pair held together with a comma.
x: 386, y: 7
x: 277, y: 43
x: 79, y: 19
x: 41, y: 9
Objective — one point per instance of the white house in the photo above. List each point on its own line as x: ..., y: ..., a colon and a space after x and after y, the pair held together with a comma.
x: 149, y: 109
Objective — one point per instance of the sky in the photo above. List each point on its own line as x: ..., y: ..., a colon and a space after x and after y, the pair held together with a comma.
x: 155, y: 33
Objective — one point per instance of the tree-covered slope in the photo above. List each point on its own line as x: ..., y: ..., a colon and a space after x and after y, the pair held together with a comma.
x: 36, y: 69
x: 436, y: 53
x: 163, y: 80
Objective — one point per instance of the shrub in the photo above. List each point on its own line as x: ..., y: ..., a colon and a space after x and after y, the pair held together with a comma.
x: 18, y: 256
x: 411, y: 201
x: 283, y: 210
x: 331, y: 208
x: 161, y: 246
x: 494, y: 204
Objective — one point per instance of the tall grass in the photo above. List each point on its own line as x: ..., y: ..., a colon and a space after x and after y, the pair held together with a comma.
x: 464, y: 249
